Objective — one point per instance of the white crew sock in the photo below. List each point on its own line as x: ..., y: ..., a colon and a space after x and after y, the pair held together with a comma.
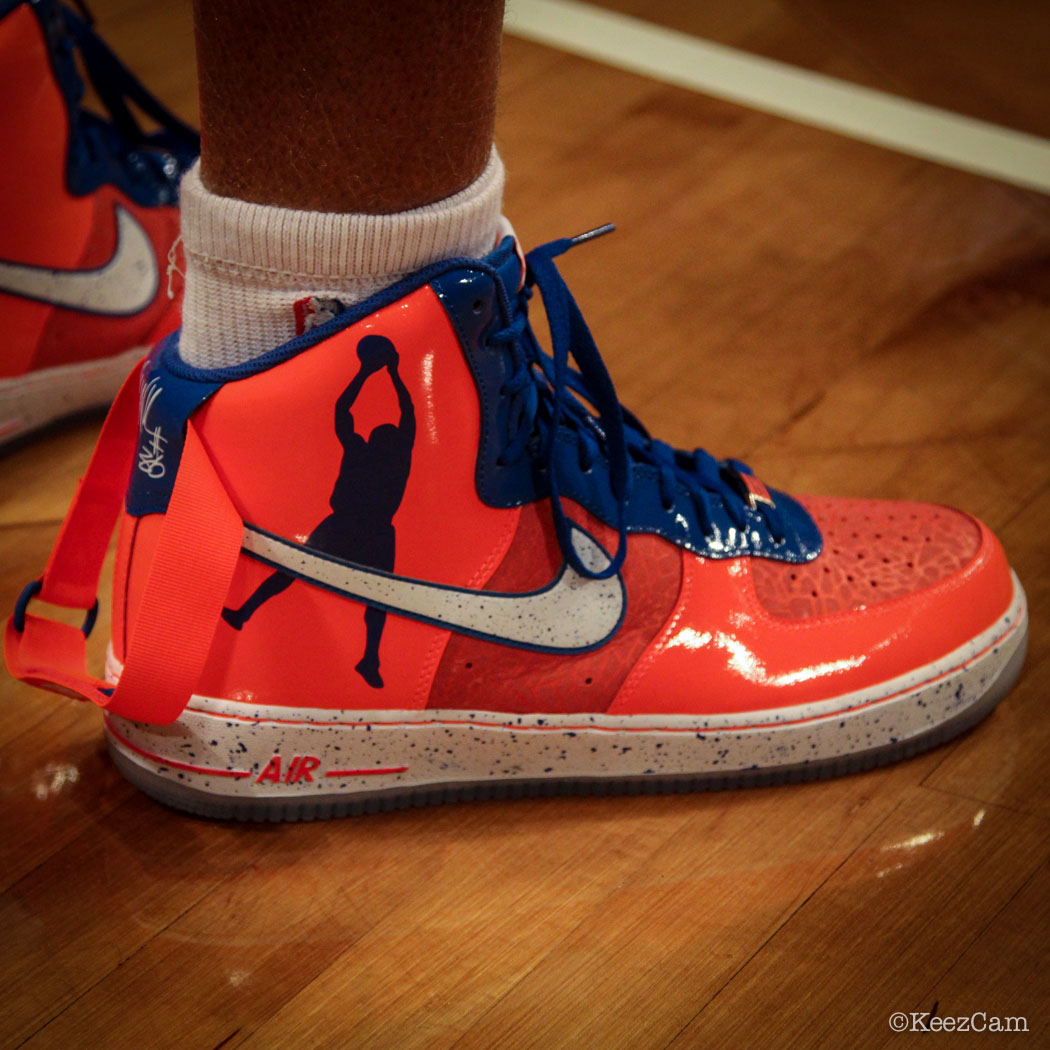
x: 248, y: 264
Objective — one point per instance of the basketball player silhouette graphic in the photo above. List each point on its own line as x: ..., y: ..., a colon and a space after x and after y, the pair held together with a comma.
x: 365, y: 497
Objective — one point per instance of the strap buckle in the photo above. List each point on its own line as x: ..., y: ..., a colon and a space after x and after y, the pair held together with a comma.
x: 31, y: 591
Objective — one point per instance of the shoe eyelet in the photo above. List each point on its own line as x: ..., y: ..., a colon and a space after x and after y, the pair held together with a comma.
x: 477, y: 306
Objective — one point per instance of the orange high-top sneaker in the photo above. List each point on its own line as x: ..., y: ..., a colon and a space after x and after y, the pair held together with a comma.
x: 410, y: 556
x: 87, y: 216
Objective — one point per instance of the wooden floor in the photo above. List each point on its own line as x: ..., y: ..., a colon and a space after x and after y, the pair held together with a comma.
x: 847, y: 319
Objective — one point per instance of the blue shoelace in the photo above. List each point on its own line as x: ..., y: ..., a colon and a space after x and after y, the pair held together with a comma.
x: 152, y: 162
x: 546, y: 391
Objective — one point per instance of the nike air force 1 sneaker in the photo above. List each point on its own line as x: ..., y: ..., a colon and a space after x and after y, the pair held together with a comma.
x: 87, y: 217
x: 410, y: 556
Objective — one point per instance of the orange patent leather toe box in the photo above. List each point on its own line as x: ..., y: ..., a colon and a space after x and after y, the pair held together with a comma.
x: 897, y: 588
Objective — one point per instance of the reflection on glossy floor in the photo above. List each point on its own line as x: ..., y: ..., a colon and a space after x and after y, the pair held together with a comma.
x: 850, y: 321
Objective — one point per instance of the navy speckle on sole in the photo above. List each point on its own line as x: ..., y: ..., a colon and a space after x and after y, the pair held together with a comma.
x: 219, y: 807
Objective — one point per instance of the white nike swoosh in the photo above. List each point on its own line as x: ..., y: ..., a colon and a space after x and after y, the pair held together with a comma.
x: 571, y: 614
x: 125, y: 285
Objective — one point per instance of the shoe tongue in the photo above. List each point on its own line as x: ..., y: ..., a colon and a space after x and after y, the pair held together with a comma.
x: 508, y: 259
x: 509, y: 266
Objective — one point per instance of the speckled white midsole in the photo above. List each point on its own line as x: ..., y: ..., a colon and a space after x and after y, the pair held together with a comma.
x: 33, y: 400
x: 239, y: 750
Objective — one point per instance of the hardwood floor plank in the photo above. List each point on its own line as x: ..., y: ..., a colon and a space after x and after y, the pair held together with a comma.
x: 55, y: 779
x: 941, y: 408
x: 40, y: 476
x: 1001, y: 975
x: 608, y: 904
x: 92, y: 906
x: 882, y: 931
x: 57, y: 782
x: 156, y: 41
x: 288, y: 917
x: 469, y: 923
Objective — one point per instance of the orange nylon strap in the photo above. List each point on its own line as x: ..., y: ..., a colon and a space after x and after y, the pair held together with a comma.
x: 186, y: 585
x: 186, y: 589
x: 71, y: 576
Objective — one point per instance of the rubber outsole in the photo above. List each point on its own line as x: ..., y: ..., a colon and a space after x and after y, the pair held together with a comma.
x: 199, y: 803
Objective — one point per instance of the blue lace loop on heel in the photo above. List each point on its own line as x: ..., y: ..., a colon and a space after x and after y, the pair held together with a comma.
x: 545, y: 407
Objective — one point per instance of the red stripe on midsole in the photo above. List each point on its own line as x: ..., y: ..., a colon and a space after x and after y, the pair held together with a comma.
x: 364, y: 772
x: 236, y: 773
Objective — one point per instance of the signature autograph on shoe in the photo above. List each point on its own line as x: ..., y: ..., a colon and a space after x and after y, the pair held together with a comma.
x: 151, y: 453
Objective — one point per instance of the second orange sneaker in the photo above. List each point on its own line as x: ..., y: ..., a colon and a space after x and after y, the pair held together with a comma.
x: 87, y: 217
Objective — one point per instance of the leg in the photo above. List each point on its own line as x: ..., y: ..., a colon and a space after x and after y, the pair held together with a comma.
x: 388, y: 166
x: 402, y: 100
x: 269, y: 588
x: 368, y: 667
x: 377, y: 547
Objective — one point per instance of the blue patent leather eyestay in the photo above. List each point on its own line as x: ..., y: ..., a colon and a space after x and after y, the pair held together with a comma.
x: 540, y: 441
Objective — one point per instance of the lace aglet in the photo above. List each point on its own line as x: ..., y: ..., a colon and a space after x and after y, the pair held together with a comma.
x: 590, y: 235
